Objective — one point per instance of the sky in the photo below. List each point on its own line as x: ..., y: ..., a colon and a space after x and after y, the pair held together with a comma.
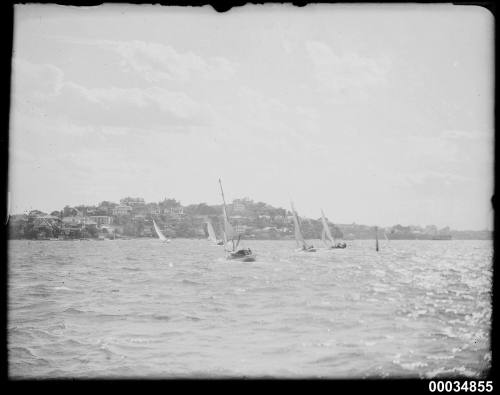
x: 379, y: 115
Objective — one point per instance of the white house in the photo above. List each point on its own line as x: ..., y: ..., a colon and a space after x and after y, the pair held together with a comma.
x: 101, y: 219
x: 122, y: 210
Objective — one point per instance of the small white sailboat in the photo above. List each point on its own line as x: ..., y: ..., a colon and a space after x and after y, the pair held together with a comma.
x: 326, y: 234
x: 211, y: 234
x: 160, y: 234
x: 232, y: 252
x: 299, y: 238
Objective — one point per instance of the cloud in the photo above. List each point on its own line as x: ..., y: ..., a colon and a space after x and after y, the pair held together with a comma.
x: 156, y: 62
x: 466, y: 135
x: 434, y: 178
x: 345, y: 71
x: 254, y: 101
x: 132, y: 107
x: 40, y: 80
x: 150, y: 107
x: 162, y: 62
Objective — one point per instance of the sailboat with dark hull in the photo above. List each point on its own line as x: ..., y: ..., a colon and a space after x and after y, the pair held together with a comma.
x: 231, y: 248
x: 326, y: 236
x: 299, y: 237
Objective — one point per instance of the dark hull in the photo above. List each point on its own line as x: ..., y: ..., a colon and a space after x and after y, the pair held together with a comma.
x: 241, y: 258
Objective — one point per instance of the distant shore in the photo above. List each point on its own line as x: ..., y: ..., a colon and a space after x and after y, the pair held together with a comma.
x: 133, y: 218
x: 248, y: 239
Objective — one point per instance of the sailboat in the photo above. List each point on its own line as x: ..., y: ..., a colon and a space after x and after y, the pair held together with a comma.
x: 232, y: 252
x: 161, y: 236
x: 299, y: 238
x: 326, y: 234
x: 211, y: 234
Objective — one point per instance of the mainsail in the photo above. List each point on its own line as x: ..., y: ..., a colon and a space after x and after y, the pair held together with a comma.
x: 326, y: 230
x: 299, y: 238
x: 159, y: 232
x: 228, y: 228
x: 229, y: 234
x: 211, y: 232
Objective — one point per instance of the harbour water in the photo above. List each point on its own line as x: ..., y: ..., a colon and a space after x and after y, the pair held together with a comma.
x: 142, y: 308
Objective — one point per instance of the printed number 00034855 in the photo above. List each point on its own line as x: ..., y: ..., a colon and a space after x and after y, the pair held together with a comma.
x: 460, y: 386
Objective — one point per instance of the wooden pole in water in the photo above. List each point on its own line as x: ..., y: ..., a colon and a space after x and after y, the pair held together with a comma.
x: 376, y: 238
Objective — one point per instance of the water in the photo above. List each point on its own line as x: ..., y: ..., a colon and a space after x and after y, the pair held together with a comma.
x: 141, y: 308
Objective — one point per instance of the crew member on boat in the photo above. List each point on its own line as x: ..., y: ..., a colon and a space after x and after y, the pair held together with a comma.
x: 246, y: 251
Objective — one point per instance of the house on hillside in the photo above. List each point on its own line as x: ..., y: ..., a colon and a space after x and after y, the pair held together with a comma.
x: 46, y: 226
x: 153, y: 209
x: 132, y: 202
x: 73, y: 220
x: 101, y: 220
x: 122, y: 210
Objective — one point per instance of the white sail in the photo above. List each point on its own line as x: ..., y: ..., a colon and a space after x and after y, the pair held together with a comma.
x: 159, y: 232
x: 326, y: 229
x: 299, y: 238
x: 226, y: 247
x: 211, y: 232
x: 228, y: 228
x: 229, y: 234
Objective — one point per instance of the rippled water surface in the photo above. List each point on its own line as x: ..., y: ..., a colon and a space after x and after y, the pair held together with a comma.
x: 140, y: 308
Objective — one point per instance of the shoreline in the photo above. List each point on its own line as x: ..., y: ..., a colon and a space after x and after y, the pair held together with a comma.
x: 250, y: 239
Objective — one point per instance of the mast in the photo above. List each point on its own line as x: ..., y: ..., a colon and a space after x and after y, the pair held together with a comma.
x: 222, y: 191
x: 376, y: 238
x: 83, y: 227
x: 226, y: 220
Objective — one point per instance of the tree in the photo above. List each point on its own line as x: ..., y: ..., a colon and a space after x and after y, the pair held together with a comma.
x: 35, y: 213
x: 69, y: 211
x: 91, y: 231
x: 169, y: 203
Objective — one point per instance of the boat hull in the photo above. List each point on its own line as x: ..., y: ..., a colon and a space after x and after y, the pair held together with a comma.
x: 241, y: 258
